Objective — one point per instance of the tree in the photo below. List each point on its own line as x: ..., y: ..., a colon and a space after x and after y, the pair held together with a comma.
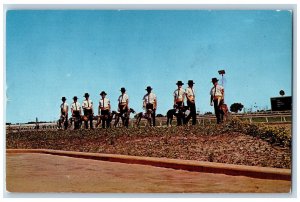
x: 235, y: 107
x: 159, y: 115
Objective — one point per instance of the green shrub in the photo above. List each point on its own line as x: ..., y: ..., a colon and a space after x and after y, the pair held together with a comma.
x: 275, y: 135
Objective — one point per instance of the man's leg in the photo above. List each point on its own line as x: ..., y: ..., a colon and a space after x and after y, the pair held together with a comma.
x: 193, y: 112
x: 179, y: 118
x: 107, y: 123
x: 103, y: 121
x: 66, y: 122
x: 179, y: 115
x: 187, y: 119
x: 86, y: 124
x: 217, y: 111
x: 91, y: 121
x: 78, y: 120
x: 153, y: 117
x: 75, y: 122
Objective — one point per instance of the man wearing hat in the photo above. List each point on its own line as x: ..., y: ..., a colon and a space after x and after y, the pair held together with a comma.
x: 123, y: 107
x: 104, y: 107
x: 216, y: 96
x: 179, y: 95
x: 150, y: 103
x: 88, y: 112
x: 76, y: 113
x: 64, y: 108
x: 190, y: 95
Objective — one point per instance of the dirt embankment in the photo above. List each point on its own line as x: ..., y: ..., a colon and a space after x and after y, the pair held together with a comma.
x: 223, y: 144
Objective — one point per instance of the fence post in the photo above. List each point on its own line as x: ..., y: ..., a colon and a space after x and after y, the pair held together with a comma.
x: 267, y: 119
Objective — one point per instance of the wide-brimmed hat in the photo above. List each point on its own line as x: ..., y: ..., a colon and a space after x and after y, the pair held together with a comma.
x: 86, y: 95
x: 191, y: 82
x: 63, y: 98
x: 179, y: 83
x: 75, y: 98
x: 214, y: 80
x: 103, y: 93
x: 123, y: 89
x: 148, y: 88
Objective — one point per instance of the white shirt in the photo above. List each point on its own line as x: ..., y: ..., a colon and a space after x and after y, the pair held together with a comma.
x: 217, y: 90
x: 104, y: 103
x: 64, y: 107
x: 179, y: 94
x: 75, y: 106
x: 190, y: 92
x: 149, y: 98
x: 123, y: 98
x: 87, y: 104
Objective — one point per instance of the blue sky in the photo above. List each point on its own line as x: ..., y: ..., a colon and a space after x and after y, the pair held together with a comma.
x: 50, y: 54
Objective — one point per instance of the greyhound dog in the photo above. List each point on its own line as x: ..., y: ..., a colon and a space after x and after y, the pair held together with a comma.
x: 223, y: 110
x: 147, y: 115
x: 63, y: 122
x: 110, y: 117
x: 176, y: 112
x: 123, y: 117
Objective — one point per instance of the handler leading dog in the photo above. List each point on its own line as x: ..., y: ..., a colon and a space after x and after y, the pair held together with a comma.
x: 216, y: 99
x: 123, y: 107
x: 179, y: 95
x: 76, y: 113
x: 87, y: 106
x: 150, y: 104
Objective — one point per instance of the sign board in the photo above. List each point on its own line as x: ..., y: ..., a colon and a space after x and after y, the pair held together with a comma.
x: 281, y: 103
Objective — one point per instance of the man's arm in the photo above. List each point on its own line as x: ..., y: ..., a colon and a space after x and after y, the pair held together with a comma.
x: 92, y: 108
x: 188, y: 98
x: 72, y: 110
x: 223, y: 92
x: 109, y: 105
x: 127, y: 104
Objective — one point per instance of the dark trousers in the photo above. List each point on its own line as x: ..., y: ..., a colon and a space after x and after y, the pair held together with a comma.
x: 65, y: 120
x: 105, y: 118
x: 124, y: 115
x: 150, y: 106
x: 77, y: 119
x: 218, y: 111
x: 192, y: 107
x: 89, y: 115
x: 180, y: 115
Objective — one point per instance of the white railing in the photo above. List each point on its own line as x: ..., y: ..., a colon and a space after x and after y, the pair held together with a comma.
x: 285, y: 117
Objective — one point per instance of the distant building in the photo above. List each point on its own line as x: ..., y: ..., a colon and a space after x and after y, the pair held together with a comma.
x: 283, y: 103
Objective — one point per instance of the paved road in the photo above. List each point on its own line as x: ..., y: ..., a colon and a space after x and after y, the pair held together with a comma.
x: 49, y: 173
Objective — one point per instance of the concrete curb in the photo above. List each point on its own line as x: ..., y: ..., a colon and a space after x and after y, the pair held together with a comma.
x: 189, y: 165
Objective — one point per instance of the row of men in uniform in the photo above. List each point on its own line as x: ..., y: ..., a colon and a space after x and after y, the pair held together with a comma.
x: 149, y: 103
